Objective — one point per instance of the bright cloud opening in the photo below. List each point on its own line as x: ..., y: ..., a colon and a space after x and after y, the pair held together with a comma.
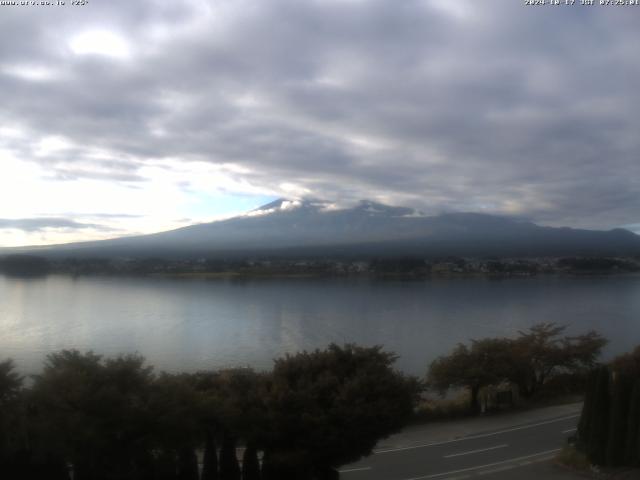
x: 100, y: 42
x: 30, y: 73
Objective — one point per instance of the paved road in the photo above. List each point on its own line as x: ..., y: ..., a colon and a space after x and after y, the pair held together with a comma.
x: 485, y: 454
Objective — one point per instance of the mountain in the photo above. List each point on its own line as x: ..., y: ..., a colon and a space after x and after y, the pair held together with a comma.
x: 313, y: 229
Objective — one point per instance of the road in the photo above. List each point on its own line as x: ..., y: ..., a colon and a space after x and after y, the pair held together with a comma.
x: 478, y: 454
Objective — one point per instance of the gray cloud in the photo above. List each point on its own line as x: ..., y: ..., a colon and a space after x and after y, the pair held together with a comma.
x: 100, y: 215
x: 509, y: 109
x: 42, y: 223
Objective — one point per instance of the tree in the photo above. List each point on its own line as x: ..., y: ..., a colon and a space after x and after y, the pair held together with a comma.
x: 330, y: 407
x: 10, y: 382
x: 618, y: 418
x: 628, y: 363
x: 187, y: 464
x: 527, y: 361
x: 250, y: 464
x: 628, y: 366
x: 487, y: 362
x: 229, y: 467
x: 232, y: 405
x: 176, y: 430
x: 540, y: 352
x: 609, y: 427
x: 596, y: 443
x: 210, y: 459
x: 12, y: 427
x: 24, y: 265
x: 585, y: 422
x: 632, y: 449
x: 94, y: 412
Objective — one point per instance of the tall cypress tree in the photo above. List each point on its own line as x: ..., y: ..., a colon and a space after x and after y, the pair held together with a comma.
x: 229, y: 467
x: 187, y: 464
x: 210, y: 460
x: 617, y: 436
x: 632, y: 447
x: 145, y: 466
x: 598, y: 428
x: 48, y: 466
x: 166, y: 465
x: 250, y: 464
x: 584, y: 424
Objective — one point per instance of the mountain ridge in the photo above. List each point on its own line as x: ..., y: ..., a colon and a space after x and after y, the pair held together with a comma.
x: 312, y: 228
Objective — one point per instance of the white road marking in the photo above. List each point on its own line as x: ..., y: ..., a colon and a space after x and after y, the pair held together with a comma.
x: 513, y: 465
x: 570, y: 430
x: 510, y: 460
x: 475, y: 451
x: 496, y: 470
x: 473, y: 437
x: 362, y: 469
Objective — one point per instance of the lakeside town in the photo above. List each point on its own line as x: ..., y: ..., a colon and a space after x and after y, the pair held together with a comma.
x: 411, y: 267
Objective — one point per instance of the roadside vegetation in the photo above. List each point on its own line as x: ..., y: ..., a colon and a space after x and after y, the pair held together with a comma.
x: 92, y: 418
x: 87, y: 417
x: 609, y: 429
x: 492, y: 373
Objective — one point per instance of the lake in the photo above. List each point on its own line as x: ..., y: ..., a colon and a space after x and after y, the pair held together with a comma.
x: 184, y: 324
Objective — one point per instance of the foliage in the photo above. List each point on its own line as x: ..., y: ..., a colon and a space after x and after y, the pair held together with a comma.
x: 628, y: 363
x: 540, y: 352
x: 229, y: 468
x: 399, y: 266
x: 597, y: 264
x: 617, y: 434
x: 330, y: 407
x: 10, y: 382
x: 114, y: 419
x: 24, y: 265
x: 486, y: 362
x: 95, y: 411
x: 210, y: 458
x: 573, y: 458
x: 432, y: 408
x: 250, y: 463
x: 10, y: 411
x: 528, y: 361
x: 609, y: 427
x: 632, y: 449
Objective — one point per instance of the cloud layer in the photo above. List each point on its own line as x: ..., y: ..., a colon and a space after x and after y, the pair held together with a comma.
x: 485, y: 106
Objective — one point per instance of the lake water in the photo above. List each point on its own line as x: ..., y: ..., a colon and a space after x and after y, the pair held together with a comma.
x: 180, y: 324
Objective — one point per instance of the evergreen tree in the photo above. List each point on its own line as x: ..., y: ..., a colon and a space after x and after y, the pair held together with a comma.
x: 250, y: 464
x: 144, y: 466
x: 621, y: 393
x: 598, y: 428
x: 632, y: 447
x: 187, y: 464
x: 11, y: 415
x: 284, y: 465
x: 229, y: 467
x: 49, y: 467
x: 210, y: 459
x: 330, y: 407
x: 584, y: 424
x: 166, y: 466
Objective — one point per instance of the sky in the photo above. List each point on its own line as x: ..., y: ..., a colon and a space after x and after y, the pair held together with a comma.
x: 119, y: 117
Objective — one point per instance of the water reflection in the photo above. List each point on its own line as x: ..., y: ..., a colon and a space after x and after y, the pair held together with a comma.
x: 191, y: 324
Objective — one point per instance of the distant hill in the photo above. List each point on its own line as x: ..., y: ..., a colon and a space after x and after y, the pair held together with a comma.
x: 309, y: 229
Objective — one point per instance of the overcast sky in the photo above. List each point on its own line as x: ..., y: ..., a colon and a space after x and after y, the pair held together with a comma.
x: 122, y: 117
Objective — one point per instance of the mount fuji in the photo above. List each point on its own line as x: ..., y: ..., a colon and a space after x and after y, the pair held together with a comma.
x: 308, y: 228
